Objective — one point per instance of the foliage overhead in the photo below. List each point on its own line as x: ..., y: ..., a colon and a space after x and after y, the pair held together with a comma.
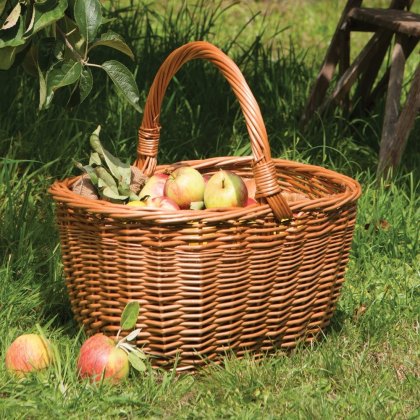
x: 53, y: 39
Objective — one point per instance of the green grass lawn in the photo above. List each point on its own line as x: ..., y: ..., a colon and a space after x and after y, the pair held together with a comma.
x: 367, y: 365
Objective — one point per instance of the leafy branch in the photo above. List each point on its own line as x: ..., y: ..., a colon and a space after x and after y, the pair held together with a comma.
x: 55, y: 39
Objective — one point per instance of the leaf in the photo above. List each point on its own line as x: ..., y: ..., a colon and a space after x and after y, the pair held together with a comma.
x: 124, y: 80
x: 32, y: 21
x: 57, y: 77
x: 106, y: 177
x: 13, y: 37
x: 133, y: 334
x: 46, y: 16
x: 121, y: 171
x: 13, y: 17
x: 91, y: 172
x: 95, y: 159
x: 2, y: 6
x: 130, y: 315
x: 113, y: 40
x: 42, y: 88
x: 136, y: 362
x: 85, y: 84
x: 88, y: 16
x: 110, y: 193
x: 67, y: 74
x: 7, y: 57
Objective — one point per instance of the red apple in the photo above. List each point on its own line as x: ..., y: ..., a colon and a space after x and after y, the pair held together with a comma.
x: 162, y: 203
x: 250, y: 186
x: 185, y: 185
x: 99, y: 356
x: 225, y: 189
x: 154, y: 186
x: 28, y: 353
x: 250, y: 202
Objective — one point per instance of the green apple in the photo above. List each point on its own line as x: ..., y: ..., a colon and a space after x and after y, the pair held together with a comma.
x: 185, y: 185
x: 225, y: 189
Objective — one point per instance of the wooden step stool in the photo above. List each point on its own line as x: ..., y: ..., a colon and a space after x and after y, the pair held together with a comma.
x: 396, y: 23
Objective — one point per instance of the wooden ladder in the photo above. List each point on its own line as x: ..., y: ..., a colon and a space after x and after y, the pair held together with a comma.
x: 396, y: 23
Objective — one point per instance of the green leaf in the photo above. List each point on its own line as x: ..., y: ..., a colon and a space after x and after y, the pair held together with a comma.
x: 121, y: 171
x: 85, y: 84
x: 124, y: 80
x: 7, y: 57
x: 106, y: 177
x: 2, y: 6
x: 109, y: 193
x: 42, y: 88
x: 95, y: 159
x: 113, y: 40
x: 68, y: 73
x: 46, y: 16
x: 130, y: 315
x: 91, y: 172
x: 13, y: 37
x: 88, y: 16
x: 133, y: 335
x: 136, y: 362
x: 13, y: 17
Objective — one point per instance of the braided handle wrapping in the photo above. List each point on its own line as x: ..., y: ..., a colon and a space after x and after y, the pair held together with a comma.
x: 148, y: 142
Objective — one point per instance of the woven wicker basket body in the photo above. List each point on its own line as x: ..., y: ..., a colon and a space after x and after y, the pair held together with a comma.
x: 212, y: 281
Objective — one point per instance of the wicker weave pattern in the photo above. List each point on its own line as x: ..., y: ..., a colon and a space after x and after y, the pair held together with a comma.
x: 211, y: 281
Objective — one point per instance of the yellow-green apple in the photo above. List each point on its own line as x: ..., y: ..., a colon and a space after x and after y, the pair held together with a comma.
x: 100, y: 357
x: 225, y: 189
x: 28, y: 353
x: 185, y: 185
x: 154, y: 186
x: 137, y: 203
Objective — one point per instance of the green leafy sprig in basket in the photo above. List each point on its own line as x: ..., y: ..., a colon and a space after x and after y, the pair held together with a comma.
x: 107, y: 177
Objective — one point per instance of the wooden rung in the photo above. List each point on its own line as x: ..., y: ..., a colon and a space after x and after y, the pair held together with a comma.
x: 395, y: 20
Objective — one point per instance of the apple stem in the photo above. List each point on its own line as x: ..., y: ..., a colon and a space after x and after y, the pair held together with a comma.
x: 118, y: 334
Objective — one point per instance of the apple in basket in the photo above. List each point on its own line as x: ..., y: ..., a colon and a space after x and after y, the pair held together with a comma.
x: 156, y: 203
x: 154, y: 186
x: 250, y: 186
x: 185, y: 185
x: 28, y: 353
x: 225, y: 189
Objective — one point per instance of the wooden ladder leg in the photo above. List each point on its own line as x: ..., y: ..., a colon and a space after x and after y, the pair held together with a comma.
x: 394, y: 140
x: 326, y: 73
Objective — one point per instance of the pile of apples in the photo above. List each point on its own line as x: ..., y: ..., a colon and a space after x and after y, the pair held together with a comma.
x: 100, y: 357
x: 186, y: 188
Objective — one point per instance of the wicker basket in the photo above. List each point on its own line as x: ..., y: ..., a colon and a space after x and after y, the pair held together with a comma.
x: 211, y: 281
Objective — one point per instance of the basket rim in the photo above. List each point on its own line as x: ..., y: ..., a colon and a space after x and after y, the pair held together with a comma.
x: 61, y: 193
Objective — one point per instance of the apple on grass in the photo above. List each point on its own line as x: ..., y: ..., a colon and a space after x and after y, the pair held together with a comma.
x: 185, y: 185
x: 225, y: 189
x: 102, y: 357
x: 28, y: 353
x: 99, y: 356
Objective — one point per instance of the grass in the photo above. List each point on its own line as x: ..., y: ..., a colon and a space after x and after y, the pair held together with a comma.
x: 366, y: 366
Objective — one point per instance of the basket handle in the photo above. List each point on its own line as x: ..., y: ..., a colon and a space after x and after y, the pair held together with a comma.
x: 148, y: 143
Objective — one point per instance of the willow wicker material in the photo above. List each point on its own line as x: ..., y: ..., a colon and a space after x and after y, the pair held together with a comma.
x: 217, y: 280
